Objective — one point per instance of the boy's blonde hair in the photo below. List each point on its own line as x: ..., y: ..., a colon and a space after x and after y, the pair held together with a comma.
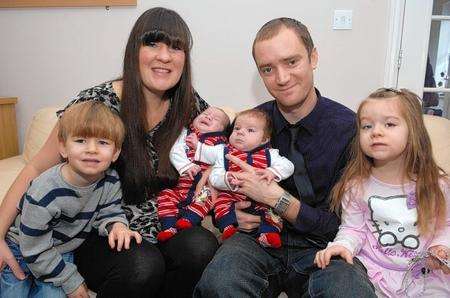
x: 91, y: 119
x: 261, y: 115
x: 419, y: 163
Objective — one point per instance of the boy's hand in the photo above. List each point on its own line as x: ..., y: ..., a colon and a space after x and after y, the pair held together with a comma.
x: 442, y: 252
x: 232, y: 180
x: 323, y: 257
x: 81, y: 292
x: 265, y: 174
x: 192, y: 171
x: 7, y: 258
x: 192, y: 141
x: 122, y: 235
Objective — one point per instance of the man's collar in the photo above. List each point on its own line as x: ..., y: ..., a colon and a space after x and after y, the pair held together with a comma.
x: 309, y: 122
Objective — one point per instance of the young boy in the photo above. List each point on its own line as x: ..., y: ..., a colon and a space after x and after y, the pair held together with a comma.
x: 249, y: 141
x: 177, y: 207
x: 63, y: 205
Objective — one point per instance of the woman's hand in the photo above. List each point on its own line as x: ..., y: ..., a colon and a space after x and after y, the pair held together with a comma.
x: 434, y: 263
x: 7, y: 258
x: 252, y: 185
x: 323, y: 257
x: 122, y: 234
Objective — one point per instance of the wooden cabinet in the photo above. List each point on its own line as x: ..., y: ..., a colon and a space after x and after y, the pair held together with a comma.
x: 8, y: 127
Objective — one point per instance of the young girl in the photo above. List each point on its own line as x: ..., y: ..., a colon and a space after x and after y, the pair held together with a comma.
x: 395, y: 217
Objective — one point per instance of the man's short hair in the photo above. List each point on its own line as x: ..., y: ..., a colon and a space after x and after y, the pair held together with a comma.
x: 271, y: 28
x: 91, y: 119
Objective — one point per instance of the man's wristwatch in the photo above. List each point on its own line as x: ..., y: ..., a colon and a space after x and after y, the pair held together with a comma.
x: 283, y: 203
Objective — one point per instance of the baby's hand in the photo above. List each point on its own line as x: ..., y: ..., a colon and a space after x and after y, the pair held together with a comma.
x: 122, y: 234
x: 192, y: 171
x: 265, y: 174
x: 232, y: 181
x: 323, y: 257
x: 442, y: 252
x: 192, y: 141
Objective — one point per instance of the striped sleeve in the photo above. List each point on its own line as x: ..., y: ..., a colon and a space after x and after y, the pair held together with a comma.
x: 37, y: 247
x: 110, y: 207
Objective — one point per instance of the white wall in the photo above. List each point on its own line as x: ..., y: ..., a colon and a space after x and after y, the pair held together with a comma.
x: 48, y: 54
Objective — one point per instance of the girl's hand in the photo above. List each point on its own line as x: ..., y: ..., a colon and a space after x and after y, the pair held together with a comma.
x: 323, y: 257
x: 434, y: 263
x: 192, y: 141
x: 246, y: 222
x: 7, y: 258
x: 122, y: 234
x: 203, y: 181
x: 81, y: 292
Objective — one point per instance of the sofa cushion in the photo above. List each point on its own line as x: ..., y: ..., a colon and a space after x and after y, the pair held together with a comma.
x: 439, y: 130
x: 9, y: 169
x: 41, y: 125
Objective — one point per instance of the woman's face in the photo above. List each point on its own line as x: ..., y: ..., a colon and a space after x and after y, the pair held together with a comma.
x: 160, y: 66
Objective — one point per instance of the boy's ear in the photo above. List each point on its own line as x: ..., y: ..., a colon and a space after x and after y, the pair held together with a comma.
x: 116, y: 154
x: 62, y: 149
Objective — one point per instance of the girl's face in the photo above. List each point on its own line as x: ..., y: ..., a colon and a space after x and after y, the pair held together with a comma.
x: 383, y: 131
x: 160, y: 66
x: 248, y: 133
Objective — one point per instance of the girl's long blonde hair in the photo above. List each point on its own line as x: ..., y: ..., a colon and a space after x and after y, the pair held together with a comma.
x: 419, y: 163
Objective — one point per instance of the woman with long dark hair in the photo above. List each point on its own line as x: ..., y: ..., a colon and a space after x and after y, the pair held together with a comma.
x: 155, y: 99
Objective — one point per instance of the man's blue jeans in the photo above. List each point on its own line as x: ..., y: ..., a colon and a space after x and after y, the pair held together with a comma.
x: 11, y: 287
x: 242, y: 268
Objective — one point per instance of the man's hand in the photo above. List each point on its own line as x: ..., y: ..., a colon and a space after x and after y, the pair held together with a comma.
x: 246, y: 222
x: 249, y: 183
x: 434, y: 263
x: 323, y: 257
x: 192, y: 141
x: 122, y: 234
x: 81, y: 292
x: 7, y: 258
x: 192, y: 171
x: 265, y: 174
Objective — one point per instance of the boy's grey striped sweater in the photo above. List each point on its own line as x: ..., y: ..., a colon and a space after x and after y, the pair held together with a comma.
x: 56, y: 217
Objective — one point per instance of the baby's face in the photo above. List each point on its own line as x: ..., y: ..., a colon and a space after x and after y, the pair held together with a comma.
x: 211, y: 120
x: 248, y: 133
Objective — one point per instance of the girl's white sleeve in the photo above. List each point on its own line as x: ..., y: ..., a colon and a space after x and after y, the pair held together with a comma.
x: 208, y: 154
x: 280, y: 166
x: 177, y: 154
x: 352, y: 230
x: 442, y: 236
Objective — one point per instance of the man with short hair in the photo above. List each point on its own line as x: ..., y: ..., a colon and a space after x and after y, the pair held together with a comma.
x: 314, y: 132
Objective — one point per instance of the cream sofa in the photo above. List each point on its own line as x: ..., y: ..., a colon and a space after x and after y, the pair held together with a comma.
x: 44, y: 120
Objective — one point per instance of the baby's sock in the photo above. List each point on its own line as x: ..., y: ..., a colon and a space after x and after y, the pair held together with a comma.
x: 166, y: 234
x: 183, y: 224
x: 228, y: 232
x: 270, y: 240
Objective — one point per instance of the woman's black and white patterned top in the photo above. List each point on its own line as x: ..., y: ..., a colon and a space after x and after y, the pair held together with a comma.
x: 143, y: 218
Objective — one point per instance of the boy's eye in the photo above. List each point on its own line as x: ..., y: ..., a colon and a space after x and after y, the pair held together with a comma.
x: 251, y: 130
x: 237, y: 128
x: 103, y: 142
x: 81, y: 141
x: 266, y: 69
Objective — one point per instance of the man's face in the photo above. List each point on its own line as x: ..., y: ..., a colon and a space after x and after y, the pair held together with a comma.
x: 286, y: 69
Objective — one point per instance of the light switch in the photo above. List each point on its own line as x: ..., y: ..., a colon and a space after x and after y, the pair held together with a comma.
x: 342, y: 20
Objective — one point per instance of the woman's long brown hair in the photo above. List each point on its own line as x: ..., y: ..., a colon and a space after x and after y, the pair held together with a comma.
x: 139, y: 178
x: 420, y: 165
